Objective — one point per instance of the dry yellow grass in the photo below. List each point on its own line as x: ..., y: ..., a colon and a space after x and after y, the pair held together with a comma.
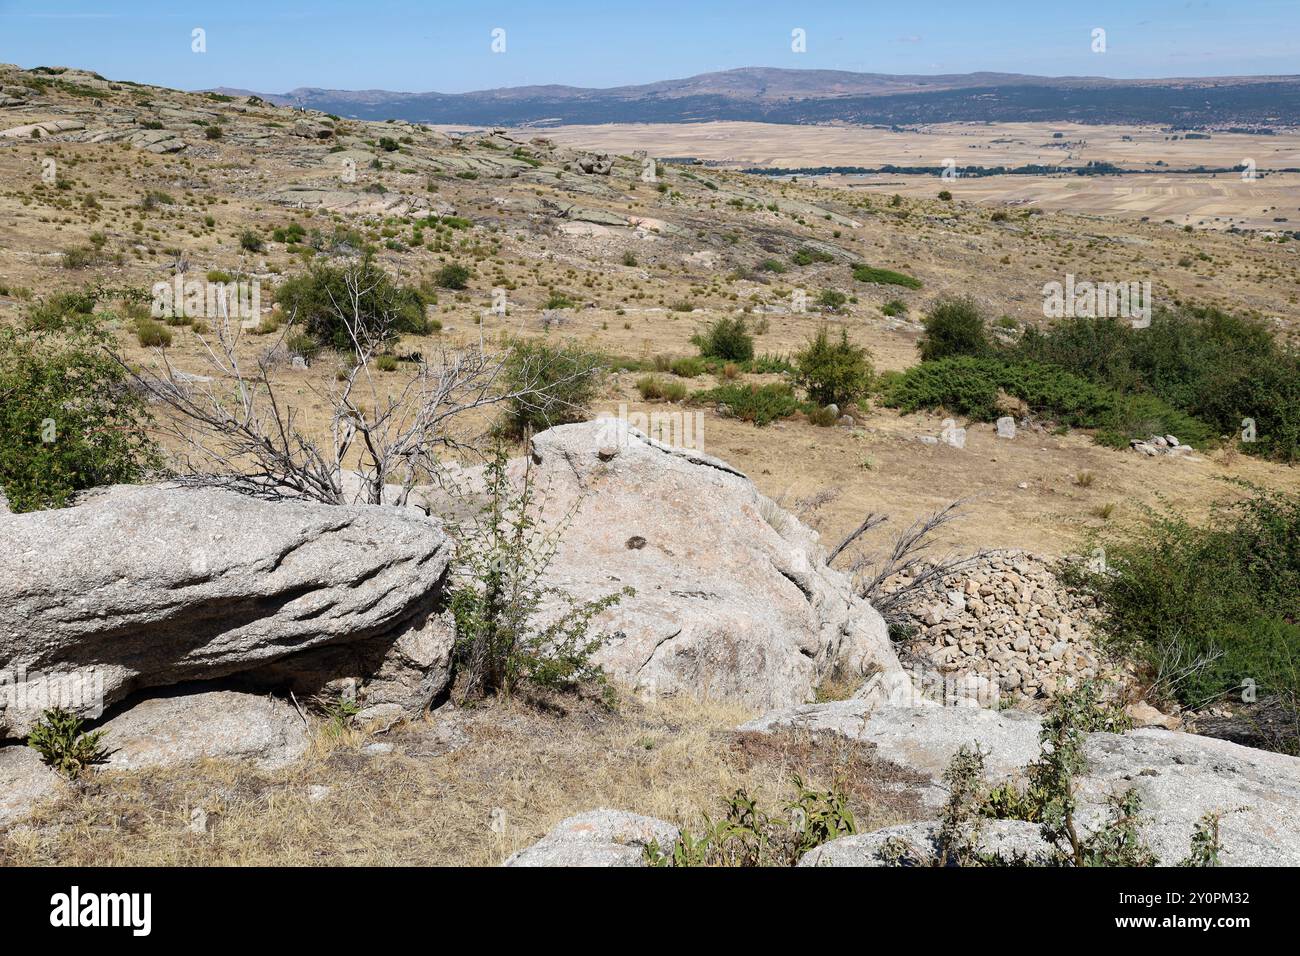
x: 430, y: 801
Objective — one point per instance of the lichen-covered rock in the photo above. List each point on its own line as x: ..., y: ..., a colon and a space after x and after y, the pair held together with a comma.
x: 25, y: 781
x: 733, y: 597
x: 193, y: 724
x: 1179, y: 777
x: 156, y: 585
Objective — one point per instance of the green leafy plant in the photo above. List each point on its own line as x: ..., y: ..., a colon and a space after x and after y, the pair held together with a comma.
x: 512, y: 628
x: 58, y: 738
x: 328, y: 299
x: 953, y: 327
x: 760, y: 404
x: 865, y: 273
x: 750, y: 836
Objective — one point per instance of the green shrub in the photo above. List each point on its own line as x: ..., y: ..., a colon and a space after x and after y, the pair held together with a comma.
x: 833, y: 372
x: 894, y: 307
x: 654, y: 389
x: 1206, y: 608
x: 969, y: 386
x: 832, y: 300
x: 152, y: 334
x: 953, y: 327
x: 728, y: 339
x: 300, y: 343
x: 749, y: 836
x: 1218, y: 368
x: 385, y: 309
x: 68, y: 420
x: 250, y: 241
x: 452, y: 276
x: 688, y: 367
x: 865, y: 273
x: 556, y: 383
x: 291, y: 233
x: 760, y: 404
x: 79, y: 257
x: 808, y: 255
x: 507, y: 630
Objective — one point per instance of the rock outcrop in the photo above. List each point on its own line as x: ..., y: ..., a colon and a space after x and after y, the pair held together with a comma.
x: 25, y: 781
x: 147, y: 586
x: 1179, y: 777
x: 194, y: 724
x: 733, y: 595
x: 598, y: 838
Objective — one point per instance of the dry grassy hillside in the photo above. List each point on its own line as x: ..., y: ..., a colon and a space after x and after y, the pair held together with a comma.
x: 125, y: 186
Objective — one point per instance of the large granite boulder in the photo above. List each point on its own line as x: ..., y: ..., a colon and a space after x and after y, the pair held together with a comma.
x: 25, y: 781
x: 733, y: 595
x: 1180, y: 777
x: 184, y: 725
x: 147, y: 586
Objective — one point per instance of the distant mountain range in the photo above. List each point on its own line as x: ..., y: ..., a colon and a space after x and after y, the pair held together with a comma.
x: 827, y: 96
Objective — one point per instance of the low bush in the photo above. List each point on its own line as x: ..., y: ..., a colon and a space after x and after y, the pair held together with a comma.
x: 319, y: 300
x: 68, y: 418
x: 452, y: 276
x: 1212, y: 608
x: 728, y: 339
x: 689, y: 367
x: 760, y: 404
x: 953, y: 327
x: 865, y: 273
x: 970, y: 386
x: 550, y: 385
x: 654, y: 389
x: 833, y: 372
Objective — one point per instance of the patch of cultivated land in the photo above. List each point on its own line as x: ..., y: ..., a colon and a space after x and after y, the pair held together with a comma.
x: 1215, y: 200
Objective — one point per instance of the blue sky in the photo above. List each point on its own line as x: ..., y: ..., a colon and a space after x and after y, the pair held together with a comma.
x: 274, y: 46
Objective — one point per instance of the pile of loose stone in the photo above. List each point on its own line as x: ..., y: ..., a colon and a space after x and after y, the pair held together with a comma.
x: 1160, y: 445
x: 1005, y: 628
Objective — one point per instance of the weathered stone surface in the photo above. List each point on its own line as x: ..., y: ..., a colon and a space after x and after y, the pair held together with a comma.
x: 25, y: 781
x: 597, y: 838
x: 1180, y: 777
x: 733, y: 595
x: 156, y: 585
x: 1011, y: 840
x: 599, y: 164
x: 191, y: 724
